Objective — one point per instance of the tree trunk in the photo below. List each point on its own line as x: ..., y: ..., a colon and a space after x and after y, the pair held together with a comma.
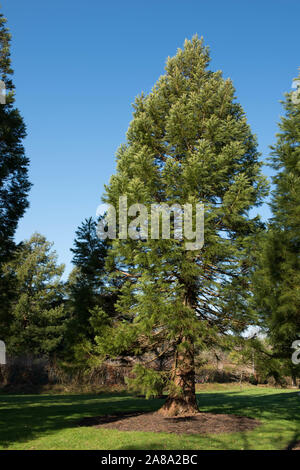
x: 294, y: 380
x: 182, y: 398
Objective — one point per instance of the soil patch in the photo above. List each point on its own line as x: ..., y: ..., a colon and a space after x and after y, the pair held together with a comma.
x: 201, y: 423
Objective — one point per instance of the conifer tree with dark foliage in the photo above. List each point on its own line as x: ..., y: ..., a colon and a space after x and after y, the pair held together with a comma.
x: 14, y: 184
x: 277, y: 279
x: 37, y: 317
x: 188, y: 142
x: 89, y: 288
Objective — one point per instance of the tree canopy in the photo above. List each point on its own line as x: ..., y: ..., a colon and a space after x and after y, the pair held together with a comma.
x: 188, y: 142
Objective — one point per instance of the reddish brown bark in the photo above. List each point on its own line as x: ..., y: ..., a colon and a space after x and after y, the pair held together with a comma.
x: 182, y: 399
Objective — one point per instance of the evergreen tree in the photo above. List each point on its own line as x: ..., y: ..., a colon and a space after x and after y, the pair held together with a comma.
x: 89, y: 287
x: 37, y: 317
x: 89, y: 252
x: 188, y: 142
x: 278, y: 278
x: 14, y: 185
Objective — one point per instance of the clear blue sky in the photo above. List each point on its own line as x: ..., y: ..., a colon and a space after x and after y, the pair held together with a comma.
x: 79, y: 65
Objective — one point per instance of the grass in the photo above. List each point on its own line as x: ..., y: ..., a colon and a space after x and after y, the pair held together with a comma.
x: 50, y: 421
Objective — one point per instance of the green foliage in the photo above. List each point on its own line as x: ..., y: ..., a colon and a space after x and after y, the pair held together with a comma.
x: 257, y: 353
x: 188, y: 142
x: 278, y: 278
x: 89, y: 252
x: 147, y: 381
x: 91, y: 292
x: 37, y: 316
x: 14, y: 185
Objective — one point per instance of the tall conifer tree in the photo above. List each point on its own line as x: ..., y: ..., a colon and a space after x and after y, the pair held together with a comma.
x: 278, y: 278
x: 87, y: 280
x: 89, y: 288
x: 37, y: 316
x: 14, y: 184
x: 188, y: 142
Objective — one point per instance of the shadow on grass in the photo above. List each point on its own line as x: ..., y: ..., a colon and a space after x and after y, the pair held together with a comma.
x: 23, y: 418
x: 295, y: 442
x: 257, y: 405
x: 240, y: 441
x: 27, y: 417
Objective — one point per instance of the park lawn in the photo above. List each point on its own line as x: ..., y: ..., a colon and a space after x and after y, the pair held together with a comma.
x: 51, y: 421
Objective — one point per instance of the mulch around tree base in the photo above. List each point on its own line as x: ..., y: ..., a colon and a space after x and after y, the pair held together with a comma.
x: 201, y: 423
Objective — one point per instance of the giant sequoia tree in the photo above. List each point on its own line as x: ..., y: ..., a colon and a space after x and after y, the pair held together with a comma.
x: 277, y: 280
x: 188, y: 142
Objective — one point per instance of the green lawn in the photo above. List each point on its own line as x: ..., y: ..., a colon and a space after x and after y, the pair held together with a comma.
x: 50, y: 421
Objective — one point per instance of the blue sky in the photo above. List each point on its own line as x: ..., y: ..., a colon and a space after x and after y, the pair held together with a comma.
x: 79, y: 65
